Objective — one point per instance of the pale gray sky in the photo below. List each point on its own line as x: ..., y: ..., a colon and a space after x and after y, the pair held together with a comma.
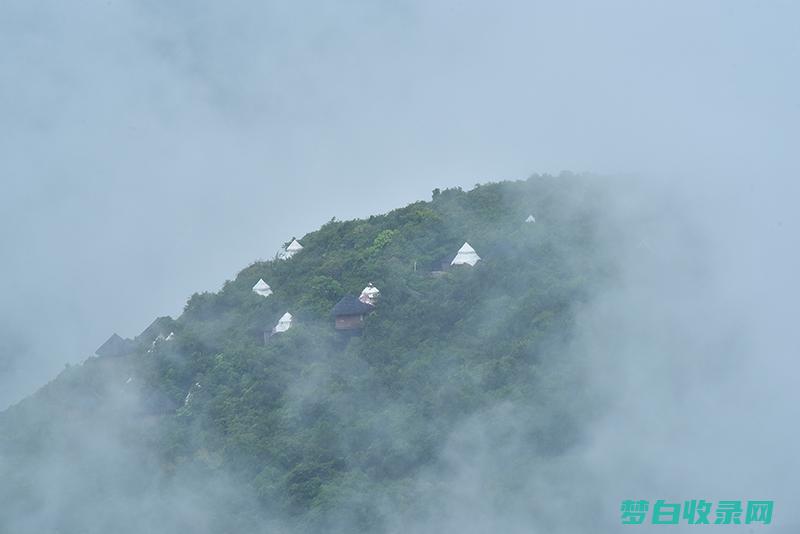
x: 149, y: 150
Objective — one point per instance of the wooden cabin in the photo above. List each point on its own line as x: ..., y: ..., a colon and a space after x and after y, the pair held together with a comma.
x: 155, y: 333
x: 349, y: 313
x: 160, y: 328
x: 439, y: 267
x: 115, y: 346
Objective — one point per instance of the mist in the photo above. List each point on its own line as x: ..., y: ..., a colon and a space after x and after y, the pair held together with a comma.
x: 681, y: 372
x: 151, y: 151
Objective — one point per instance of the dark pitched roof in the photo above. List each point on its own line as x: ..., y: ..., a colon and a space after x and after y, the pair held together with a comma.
x: 441, y: 264
x: 114, y: 346
x: 160, y: 327
x: 350, y: 305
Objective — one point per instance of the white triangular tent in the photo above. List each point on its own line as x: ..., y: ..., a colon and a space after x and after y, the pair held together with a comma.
x: 530, y: 219
x: 466, y: 256
x: 262, y: 288
x: 293, y: 248
x: 370, y: 295
x: 284, y: 323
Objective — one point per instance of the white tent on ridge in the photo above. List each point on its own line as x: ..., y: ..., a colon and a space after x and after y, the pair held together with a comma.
x: 293, y: 248
x: 370, y: 295
x: 262, y: 288
x: 466, y: 256
x: 284, y: 323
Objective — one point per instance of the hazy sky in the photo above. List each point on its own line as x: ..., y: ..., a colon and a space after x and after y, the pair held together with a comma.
x: 152, y: 149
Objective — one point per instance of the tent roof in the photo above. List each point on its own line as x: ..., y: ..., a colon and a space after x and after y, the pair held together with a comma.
x: 283, y: 324
x: 370, y: 290
x: 261, y: 284
x: 294, y: 245
x: 350, y: 305
x: 466, y: 255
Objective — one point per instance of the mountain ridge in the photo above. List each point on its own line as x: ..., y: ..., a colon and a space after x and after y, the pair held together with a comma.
x: 319, y: 429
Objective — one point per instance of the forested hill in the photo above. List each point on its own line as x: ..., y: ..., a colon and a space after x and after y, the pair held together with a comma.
x: 318, y: 430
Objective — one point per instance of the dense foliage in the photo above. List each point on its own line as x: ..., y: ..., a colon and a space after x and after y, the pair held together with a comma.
x: 318, y: 425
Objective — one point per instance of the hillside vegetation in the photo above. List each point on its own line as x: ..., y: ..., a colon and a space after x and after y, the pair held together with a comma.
x: 315, y: 429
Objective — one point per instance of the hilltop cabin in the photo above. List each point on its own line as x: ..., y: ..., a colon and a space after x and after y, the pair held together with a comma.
x: 439, y: 267
x: 284, y: 324
x: 349, y: 314
x: 115, y: 346
x: 158, y: 331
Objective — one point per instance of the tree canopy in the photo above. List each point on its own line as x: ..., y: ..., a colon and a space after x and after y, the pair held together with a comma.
x: 314, y: 426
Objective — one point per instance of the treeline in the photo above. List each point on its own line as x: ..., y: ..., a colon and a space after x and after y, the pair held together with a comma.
x: 321, y: 427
